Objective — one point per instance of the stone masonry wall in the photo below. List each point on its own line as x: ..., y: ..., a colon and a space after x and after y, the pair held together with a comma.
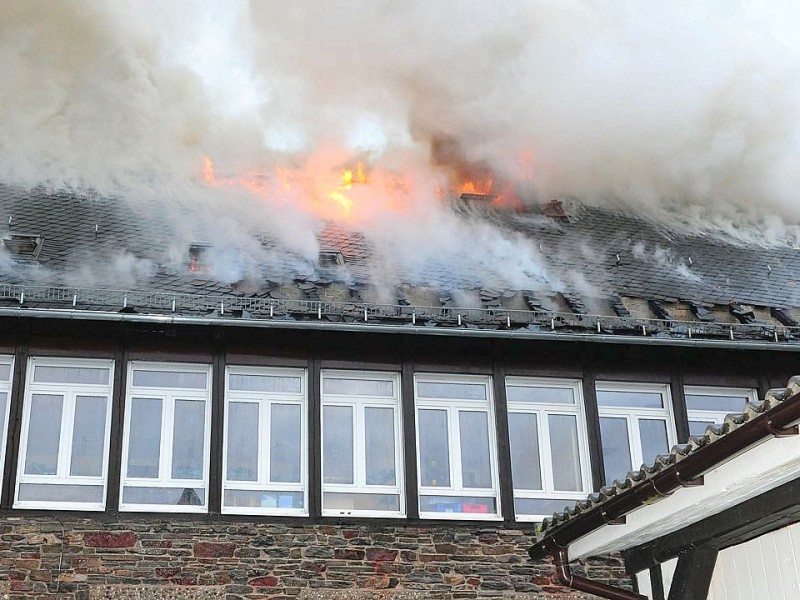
x: 66, y: 558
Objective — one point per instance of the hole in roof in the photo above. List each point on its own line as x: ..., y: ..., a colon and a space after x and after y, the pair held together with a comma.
x: 198, y: 257
x: 330, y: 259
x: 24, y: 244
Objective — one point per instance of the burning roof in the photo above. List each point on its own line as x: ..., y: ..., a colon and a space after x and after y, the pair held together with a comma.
x: 614, y: 275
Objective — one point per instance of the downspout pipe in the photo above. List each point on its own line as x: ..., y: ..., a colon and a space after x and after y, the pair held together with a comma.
x: 565, y: 577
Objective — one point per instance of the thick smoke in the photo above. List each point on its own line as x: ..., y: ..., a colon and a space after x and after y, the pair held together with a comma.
x: 686, y: 110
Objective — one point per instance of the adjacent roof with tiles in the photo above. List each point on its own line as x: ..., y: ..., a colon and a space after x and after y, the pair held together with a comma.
x: 85, y: 252
x: 637, y: 479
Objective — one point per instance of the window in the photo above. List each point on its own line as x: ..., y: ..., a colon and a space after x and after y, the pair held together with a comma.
x: 549, y: 450
x: 635, y: 425
x: 362, y: 459
x: 66, y: 416
x: 6, y: 374
x: 457, y: 452
x: 264, y: 464
x: 165, y: 452
x: 707, y: 406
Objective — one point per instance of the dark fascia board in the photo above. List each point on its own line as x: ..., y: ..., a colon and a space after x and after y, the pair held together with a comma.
x: 406, y: 329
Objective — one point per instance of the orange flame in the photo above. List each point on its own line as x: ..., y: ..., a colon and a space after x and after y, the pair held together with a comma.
x: 360, y: 192
x: 482, y: 187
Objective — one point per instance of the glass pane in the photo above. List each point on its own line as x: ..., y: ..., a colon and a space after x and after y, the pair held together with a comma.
x: 242, y: 450
x: 451, y: 391
x: 727, y: 404
x: 3, y: 409
x: 45, y: 492
x: 523, y: 433
x: 654, y: 438
x: 458, y: 504
x: 616, y: 448
x: 265, y: 383
x: 630, y: 399
x: 144, y: 437
x: 90, y: 375
x: 169, y: 379
x: 285, y: 443
x: 565, y: 453
x: 346, y: 502
x: 550, y: 395
x: 380, y: 442
x: 541, y: 506
x: 187, y: 439
x: 5, y: 372
x: 88, y: 436
x: 434, y: 449
x: 698, y: 428
x: 259, y: 499
x: 337, y: 444
x: 169, y: 496
x: 358, y: 387
x: 476, y: 466
x: 44, y: 435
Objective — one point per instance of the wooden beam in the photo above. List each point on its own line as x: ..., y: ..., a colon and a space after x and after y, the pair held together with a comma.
x: 693, y: 574
x: 657, y: 583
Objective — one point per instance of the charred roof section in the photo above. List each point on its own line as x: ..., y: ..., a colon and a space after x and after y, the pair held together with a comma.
x: 635, y: 280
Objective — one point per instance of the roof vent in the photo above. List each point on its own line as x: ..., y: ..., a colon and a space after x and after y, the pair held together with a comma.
x: 24, y: 244
x: 468, y: 197
x: 330, y: 259
x: 198, y: 257
x: 555, y: 210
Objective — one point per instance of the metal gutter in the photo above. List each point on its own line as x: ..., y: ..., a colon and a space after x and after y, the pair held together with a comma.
x: 686, y: 472
x: 582, y: 584
x: 277, y: 323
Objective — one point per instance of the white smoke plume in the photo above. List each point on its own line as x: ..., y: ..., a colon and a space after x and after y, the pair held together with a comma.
x: 687, y: 110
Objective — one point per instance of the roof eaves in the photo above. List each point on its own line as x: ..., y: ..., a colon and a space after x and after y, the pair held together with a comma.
x: 653, y: 482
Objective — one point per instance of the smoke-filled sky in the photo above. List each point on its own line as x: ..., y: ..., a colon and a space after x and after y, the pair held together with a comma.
x: 682, y: 107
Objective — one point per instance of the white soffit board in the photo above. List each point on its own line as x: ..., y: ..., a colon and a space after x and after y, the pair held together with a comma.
x: 761, y: 468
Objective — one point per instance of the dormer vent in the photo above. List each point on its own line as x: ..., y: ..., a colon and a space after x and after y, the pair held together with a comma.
x: 198, y: 257
x: 24, y: 244
x: 485, y: 198
x: 330, y: 259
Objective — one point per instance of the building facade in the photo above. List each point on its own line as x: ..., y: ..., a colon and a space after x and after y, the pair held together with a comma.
x: 182, y: 438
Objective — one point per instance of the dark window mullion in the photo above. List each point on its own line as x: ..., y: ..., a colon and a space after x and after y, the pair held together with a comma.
x: 679, y: 411
x: 409, y: 440
x: 217, y: 429
x: 15, y: 421
x: 593, y: 428
x: 503, y: 443
x: 117, y: 415
x: 314, y: 439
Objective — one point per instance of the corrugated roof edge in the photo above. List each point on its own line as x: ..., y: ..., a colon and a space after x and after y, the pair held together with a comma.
x: 683, y: 466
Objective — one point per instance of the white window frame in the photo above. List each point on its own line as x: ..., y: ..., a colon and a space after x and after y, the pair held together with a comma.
x: 633, y: 414
x: 265, y: 401
x: 5, y: 387
x: 716, y: 416
x: 452, y: 407
x: 168, y: 397
x: 359, y: 404
x: 543, y: 410
x: 69, y: 392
